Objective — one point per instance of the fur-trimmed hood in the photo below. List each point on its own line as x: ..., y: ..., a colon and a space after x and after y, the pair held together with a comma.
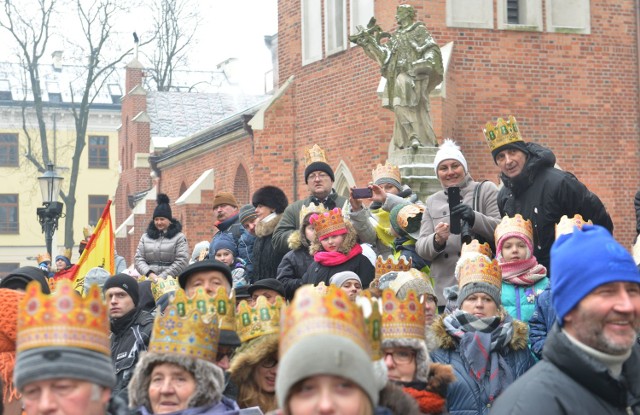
x: 209, y: 379
x: 350, y: 240
x: 173, y: 229
x: 423, y: 360
x: 250, y: 354
x: 266, y: 228
x: 297, y: 241
x: 446, y: 341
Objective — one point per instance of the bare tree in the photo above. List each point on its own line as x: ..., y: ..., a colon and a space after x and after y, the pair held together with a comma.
x: 98, y: 63
x: 174, y: 26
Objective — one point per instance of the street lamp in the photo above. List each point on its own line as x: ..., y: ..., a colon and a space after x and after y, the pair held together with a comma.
x: 48, y: 215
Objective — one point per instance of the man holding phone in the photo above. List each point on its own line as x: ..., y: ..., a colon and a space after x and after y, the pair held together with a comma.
x: 461, y: 200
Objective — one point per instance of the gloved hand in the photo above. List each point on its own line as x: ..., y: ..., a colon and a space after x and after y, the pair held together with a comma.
x: 465, y: 212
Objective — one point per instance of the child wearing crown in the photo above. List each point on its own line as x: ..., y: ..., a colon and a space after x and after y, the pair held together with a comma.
x: 335, y: 248
x: 523, y: 279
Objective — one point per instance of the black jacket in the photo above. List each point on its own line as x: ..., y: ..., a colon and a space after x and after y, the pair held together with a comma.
x: 360, y: 264
x: 567, y: 381
x: 543, y: 194
x: 129, y: 338
x: 264, y: 257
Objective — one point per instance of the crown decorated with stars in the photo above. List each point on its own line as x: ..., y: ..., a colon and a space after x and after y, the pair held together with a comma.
x: 187, y: 328
x: 370, y: 308
x: 402, y: 319
x: 258, y: 320
x: 475, y: 247
x: 63, y: 319
x: 479, y: 268
x: 391, y: 264
x: 516, y: 224
x: 161, y: 286
x: 503, y: 133
x: 386, y: 171
x: 566, y: 224
x: 312, y: 313
x: 328, y: 223
x: 312, y: 208
x: 314, y: 154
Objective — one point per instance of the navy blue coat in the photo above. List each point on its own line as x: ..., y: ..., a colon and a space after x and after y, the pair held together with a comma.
x: 541, y: 322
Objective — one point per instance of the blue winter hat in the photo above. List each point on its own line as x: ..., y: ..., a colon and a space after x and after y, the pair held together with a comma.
x: 65, y: 259
x: 573, y: 277
x: 224, y: 242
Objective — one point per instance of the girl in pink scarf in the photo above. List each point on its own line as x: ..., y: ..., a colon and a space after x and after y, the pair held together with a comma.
x: 523, y: 279
x: 335, y: 248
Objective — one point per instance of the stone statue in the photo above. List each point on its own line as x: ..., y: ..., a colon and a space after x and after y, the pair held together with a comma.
x: 411, y: 62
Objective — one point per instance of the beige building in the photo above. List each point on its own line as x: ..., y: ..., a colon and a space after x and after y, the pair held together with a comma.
x: 21, y: 237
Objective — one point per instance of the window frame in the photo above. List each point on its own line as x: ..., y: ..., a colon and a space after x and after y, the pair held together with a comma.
x: 10, y: 161
x: 94, y: 207
x: 7, y: 227
x: 96, y: 161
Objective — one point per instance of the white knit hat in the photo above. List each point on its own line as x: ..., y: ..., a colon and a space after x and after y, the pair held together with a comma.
x: 449, y: 150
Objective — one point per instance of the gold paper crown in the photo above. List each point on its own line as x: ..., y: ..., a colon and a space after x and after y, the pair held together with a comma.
x: 43, y: 258
x: 312, y: 313
x: 476, y: 247
x: 388, y: 171
x: 225, y: 308
x: 328, y: 222
x: 314, y: 154
x: 370, y: 308
x: 567, y: 224
x: 391, y: 264
x: 162, y: 286
x: 504, y: 132
x: 479, y: 269
x: 187, y: 328
x: 261, y: 319
x: 312, y: 208
x: 63, y: 319
x: 402, y: 319
x: 516, y: 224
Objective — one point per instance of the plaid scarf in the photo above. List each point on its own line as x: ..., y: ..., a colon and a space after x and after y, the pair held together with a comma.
x: 523, y: 271
x: 481, y: 341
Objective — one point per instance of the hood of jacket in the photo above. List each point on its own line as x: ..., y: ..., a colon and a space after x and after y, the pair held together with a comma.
x: 250, y: 354
x: 173, y: 229
x: 538, y: 158
x: 267, y: 228
x: 350, y: 240
x: 209, y: 379
x: 446, y: 341
x: 297, y: 241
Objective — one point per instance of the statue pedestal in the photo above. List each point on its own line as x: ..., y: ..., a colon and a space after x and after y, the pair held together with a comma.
x: 416, y: 169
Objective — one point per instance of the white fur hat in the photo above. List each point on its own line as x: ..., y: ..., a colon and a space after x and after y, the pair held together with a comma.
x: 449, y: 150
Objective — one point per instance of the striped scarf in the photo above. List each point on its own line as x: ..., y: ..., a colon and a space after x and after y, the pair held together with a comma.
x: 523, y: 271
x: 480, y: 342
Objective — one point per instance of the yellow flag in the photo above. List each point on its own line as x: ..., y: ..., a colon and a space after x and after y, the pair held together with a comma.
x: 99, y: 250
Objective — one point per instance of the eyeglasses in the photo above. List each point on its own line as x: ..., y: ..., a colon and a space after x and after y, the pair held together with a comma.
x: 400, y: 357
x: 224, y: 353
x: 269, y: 362
x: 319, y: 176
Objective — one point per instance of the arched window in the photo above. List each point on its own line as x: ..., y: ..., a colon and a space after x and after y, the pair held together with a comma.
x: 241, y: 186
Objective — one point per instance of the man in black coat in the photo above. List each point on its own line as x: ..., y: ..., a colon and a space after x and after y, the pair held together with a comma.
x: 538, y: 191
x: 130, y: 328
x: 591, y: 360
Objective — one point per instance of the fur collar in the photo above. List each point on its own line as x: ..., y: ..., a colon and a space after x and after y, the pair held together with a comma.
x: 174, y: 229
x: 446, y: 341
x: 250, y: 354
x: 266, y: 228
x: 350, y: 240
x: 297, y: 241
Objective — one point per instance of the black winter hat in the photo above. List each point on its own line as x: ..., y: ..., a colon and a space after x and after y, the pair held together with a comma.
x: 318, y: 166
x: 163, y: 210
x: 517, y: 145
x: 272, y: 197
x: 127, y: 283
x: 267, y: 284
x: 20, y: 277
x: 206, y: 265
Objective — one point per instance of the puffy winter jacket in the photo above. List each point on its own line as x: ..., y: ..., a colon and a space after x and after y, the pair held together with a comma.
x: 164, y: 253
x: 519, y: 300
x: 245, y: 251
x: 568, y: 381
x: 225, y: 407
x: 543, y: 194
x: 541, y: 322
x: 294, y: 264
x: 265, y: 259
x: 465, y: 396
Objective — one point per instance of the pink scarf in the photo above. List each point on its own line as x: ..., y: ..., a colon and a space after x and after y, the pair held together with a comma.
x: 331, y: 259
x: 522, y: 271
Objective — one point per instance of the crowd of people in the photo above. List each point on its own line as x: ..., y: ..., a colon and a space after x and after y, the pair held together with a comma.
x: 478, y: 300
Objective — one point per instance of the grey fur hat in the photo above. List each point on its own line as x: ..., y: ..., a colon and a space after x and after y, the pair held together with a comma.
x: 423, y: 361
x: 209, y: 379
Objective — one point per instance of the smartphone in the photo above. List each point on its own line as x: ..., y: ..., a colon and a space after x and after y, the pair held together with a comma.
x: 362, y: 193
x: 453, y: 195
